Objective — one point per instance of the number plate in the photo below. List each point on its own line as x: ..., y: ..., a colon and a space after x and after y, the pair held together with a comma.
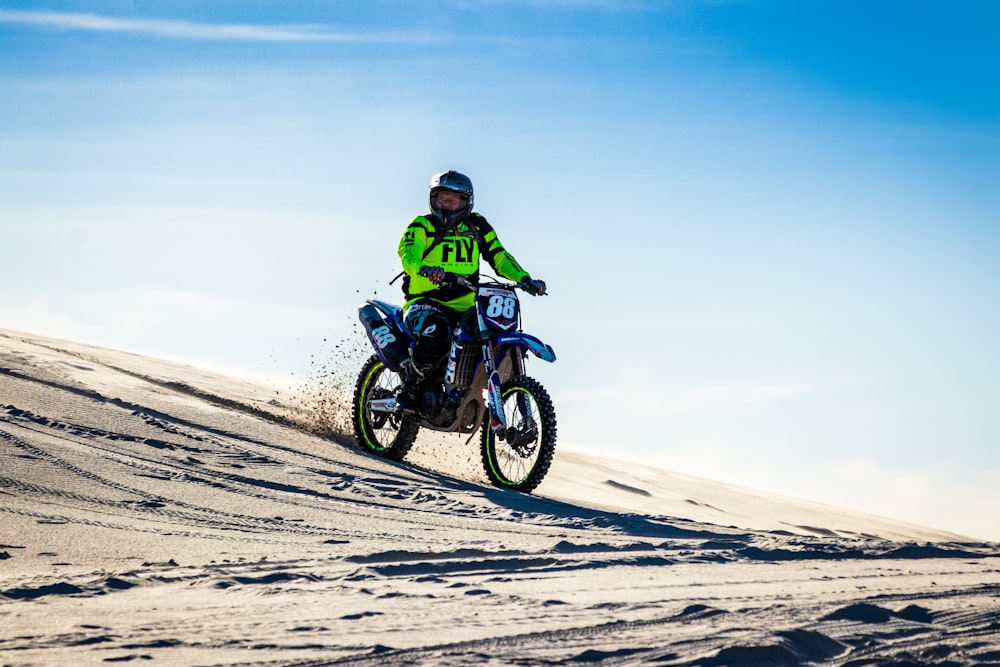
x: 499, y: 308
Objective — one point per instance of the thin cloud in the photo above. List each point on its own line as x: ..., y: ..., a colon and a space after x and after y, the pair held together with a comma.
x: 186, y: 29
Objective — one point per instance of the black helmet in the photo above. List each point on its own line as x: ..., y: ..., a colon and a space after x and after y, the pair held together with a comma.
x: 455, y: 182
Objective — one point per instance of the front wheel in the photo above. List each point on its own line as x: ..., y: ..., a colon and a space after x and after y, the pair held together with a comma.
x: 386, y: 434
x: 520, y: 457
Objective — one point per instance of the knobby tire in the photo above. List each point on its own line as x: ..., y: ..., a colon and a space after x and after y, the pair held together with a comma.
x: 387, y: 435
x: 523, y: 465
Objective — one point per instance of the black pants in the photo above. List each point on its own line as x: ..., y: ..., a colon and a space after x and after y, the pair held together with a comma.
x: 432, y: 325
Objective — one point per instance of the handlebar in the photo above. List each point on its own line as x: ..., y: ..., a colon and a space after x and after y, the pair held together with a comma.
x: 467, y: 281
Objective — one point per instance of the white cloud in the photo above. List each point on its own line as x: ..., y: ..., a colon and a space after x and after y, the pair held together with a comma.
x: 190, y: 30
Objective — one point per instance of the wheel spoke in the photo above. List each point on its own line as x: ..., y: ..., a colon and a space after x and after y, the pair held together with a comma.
x: 522, y: 457
x: 387, y: 435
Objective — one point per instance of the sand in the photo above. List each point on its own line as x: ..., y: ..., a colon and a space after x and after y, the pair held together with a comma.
x: 155, y: 513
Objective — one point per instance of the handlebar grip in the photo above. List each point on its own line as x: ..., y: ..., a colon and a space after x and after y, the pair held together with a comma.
x: 456, y: 279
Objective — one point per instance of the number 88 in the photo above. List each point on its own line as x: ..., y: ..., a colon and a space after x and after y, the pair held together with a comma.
x: 502, y: 305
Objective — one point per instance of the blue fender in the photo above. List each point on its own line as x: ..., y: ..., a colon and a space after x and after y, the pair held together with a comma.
x: 386, y: 332
x: 536, y: 346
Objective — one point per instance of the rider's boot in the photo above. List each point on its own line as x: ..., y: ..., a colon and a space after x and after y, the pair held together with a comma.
x: 406, y: 396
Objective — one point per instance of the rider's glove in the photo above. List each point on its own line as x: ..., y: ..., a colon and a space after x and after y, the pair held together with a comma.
x: 534, y: 287
x: 435, y: 274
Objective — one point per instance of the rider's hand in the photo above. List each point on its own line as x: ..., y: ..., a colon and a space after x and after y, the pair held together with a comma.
x: 435, y: 274
x: 534, y: 287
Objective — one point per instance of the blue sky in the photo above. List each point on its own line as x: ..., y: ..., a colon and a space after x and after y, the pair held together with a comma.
x: 770, y: 228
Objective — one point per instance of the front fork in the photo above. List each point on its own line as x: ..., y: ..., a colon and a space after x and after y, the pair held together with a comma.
x: 498, y: 420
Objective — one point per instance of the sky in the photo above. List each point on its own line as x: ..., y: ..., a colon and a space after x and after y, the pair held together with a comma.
x: 770, y: 229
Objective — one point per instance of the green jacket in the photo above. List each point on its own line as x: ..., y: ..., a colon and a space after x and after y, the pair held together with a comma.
x: 456, y: 251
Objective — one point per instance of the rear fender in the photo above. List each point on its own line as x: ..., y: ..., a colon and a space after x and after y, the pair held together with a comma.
x: 389, y: 310
x: 387, y: 334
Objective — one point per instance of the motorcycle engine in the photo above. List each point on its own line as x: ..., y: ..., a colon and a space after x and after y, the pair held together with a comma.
x: 436, y: 407
x: 431, y: 402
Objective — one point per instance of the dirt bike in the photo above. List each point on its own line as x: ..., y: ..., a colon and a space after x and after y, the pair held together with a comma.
x: 481, y: 385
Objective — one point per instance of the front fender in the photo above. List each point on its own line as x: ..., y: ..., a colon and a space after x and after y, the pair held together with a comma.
x: 520, y: 339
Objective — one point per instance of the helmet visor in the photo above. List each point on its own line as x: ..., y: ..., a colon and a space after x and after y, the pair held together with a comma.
x: 449, y: 200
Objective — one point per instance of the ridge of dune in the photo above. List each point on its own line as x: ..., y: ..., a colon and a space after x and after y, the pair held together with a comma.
x: 578, y: 477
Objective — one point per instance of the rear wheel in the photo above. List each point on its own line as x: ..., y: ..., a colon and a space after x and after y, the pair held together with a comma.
x: 385, y: 434
x: 521, y: 458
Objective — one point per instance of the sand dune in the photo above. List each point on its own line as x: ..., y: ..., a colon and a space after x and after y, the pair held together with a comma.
x: 153, y: 512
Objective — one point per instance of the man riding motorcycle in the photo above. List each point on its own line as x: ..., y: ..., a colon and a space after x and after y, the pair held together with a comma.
x: 448, y: 239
